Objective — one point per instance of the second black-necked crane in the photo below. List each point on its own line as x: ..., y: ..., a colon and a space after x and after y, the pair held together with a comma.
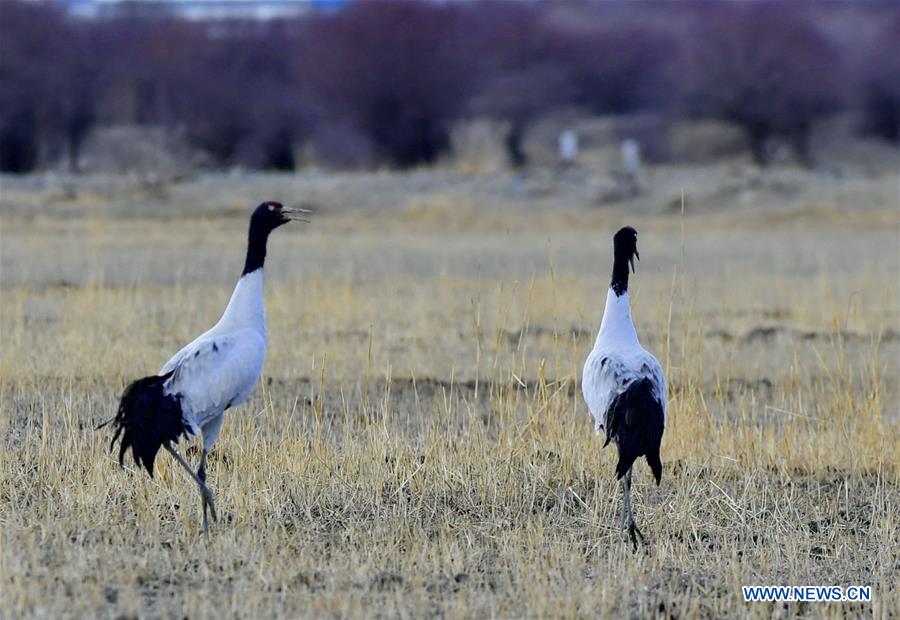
x: 623, y: 384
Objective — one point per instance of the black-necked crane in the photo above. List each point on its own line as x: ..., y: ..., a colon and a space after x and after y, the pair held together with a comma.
x: 217, y: 371
x: 624, y: 385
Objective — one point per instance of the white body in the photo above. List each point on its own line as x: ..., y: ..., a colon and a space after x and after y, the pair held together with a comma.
x: 219, y: 369
x: 631, y: 156
x: 617, y: 360
x: 568, y: 146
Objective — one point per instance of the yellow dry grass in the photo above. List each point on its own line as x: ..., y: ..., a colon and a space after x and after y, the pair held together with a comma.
x: 418, y: 445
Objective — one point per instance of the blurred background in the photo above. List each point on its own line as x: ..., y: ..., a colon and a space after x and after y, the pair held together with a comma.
x: 418, y: 445
x: 169, y: 87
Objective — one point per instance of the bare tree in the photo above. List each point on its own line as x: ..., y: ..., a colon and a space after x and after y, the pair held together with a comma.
x: 400, y: 72
x: 619, y: 68
x: 521, y: 76
x: 521, y: 97
x: 881, y: 84
x: 766, y: 68
x: 29, y: 33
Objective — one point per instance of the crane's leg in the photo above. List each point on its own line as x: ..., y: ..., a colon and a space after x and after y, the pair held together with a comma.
x: 209, y: 504
x: 204, y: 490
x: 210, y: 433
x: 627, y: 514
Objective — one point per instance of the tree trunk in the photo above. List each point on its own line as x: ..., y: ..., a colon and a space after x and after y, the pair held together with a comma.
x: 74, y: 140
x: 514, y: 139
x: 800, y: 144
x: 756, y: 139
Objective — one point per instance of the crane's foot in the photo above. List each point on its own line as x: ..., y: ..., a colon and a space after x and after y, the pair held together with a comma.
x: 633, y: 533
x: 209, y: 506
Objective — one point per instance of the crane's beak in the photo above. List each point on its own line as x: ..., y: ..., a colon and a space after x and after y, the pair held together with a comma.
x: 631, y: 260
x: 296, y: 214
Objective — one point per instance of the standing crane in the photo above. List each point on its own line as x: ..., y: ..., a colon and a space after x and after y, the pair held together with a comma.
x: 624, y: 385
x: 217, y: 371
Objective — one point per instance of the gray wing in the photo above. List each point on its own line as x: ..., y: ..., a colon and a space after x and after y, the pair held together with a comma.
x: 216, y: 371
x: 607, y: 374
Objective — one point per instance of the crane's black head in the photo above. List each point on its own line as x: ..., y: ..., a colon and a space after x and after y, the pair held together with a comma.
x: 266, y: 217
x: 624, y: 252
x: 625, y: 245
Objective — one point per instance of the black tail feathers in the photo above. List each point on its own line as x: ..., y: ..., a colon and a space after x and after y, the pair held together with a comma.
x: 635, y: 421
x: 147, y: 418
x: 623, y: 465
x: 628, y: 456
x: 655, y: 465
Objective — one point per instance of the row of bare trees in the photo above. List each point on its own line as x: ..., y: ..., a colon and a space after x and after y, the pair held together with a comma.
x: 384, y: 83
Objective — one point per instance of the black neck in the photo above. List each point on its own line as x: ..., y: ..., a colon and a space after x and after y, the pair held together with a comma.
x: 256, y: 248
x: 619, y: 282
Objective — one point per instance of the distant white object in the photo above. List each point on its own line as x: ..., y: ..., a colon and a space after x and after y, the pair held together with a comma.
x: 631, y: 156
x: 568, y: 146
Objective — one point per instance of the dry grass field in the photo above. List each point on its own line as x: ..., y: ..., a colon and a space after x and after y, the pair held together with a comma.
x: 418, y: 445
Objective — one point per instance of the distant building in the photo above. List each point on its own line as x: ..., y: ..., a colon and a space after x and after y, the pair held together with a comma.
x: 203, y: 9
